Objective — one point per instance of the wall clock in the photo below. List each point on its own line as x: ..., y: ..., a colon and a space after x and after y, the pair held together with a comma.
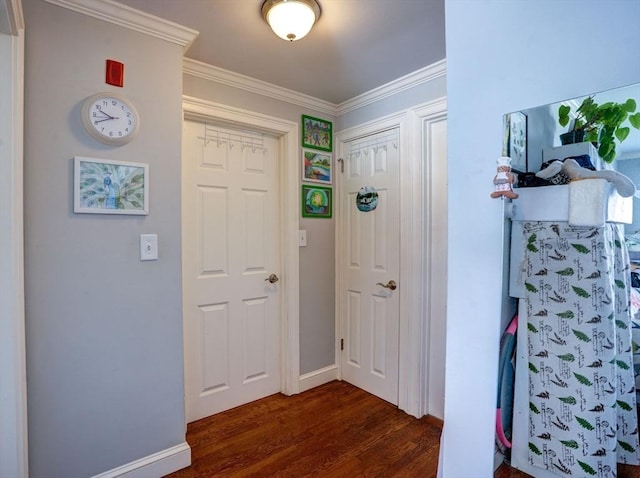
x: 110, y: 118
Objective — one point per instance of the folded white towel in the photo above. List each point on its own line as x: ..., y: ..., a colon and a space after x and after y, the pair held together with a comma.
x: 588, y: 202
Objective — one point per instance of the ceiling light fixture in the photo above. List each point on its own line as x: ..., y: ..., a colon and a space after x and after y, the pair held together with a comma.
x: 291, y: 19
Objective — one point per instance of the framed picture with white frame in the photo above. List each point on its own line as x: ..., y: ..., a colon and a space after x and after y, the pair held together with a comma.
x: 316, y: 167
x: 104, y: 186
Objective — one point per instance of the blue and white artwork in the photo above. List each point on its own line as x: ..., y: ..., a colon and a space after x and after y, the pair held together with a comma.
x: 367, y: 199
x: 103, y: 186
x: 316, y: 167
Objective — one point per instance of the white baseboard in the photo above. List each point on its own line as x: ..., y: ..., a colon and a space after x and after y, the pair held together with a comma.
x: 318, y: 377
x: 153, y: 466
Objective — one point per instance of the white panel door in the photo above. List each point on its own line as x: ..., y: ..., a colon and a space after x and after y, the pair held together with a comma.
x: 230, y: 248
x: 370, y: 245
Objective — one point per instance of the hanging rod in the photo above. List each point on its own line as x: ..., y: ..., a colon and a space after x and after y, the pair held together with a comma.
x: 247, y: 141
x: 376, y: 143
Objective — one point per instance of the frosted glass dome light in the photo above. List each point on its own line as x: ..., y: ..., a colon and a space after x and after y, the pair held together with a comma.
x: 291, y: 19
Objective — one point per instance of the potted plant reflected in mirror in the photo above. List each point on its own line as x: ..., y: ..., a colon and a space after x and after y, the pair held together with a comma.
x: 601, y: 124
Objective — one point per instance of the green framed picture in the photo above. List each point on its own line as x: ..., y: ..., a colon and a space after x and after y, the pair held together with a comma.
x: 317, y: 133
x: 316, y: 201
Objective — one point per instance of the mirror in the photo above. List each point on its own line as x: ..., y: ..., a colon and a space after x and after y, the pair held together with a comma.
x: 532, y: 136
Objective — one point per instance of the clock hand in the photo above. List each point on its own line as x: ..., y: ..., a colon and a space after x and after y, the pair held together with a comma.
x: 106, y: 119
x: 107, y: 115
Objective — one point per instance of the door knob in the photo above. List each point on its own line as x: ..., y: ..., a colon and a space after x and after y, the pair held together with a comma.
x: 273, y: 279
x: 391, y: 285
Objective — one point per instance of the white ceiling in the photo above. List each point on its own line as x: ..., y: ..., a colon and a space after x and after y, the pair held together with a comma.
x: 356, y: 46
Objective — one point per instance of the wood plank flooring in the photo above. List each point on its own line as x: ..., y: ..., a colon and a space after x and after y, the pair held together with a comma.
x: 335, y: 430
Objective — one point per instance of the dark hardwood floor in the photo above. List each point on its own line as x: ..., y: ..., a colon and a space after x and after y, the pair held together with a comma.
x: 335, y: 430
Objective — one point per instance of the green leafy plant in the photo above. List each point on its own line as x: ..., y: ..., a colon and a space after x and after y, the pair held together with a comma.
x: 602, y: 124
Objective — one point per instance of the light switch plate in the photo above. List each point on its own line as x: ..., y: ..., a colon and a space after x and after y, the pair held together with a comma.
x: 148, y: 247
x: 302, y: 238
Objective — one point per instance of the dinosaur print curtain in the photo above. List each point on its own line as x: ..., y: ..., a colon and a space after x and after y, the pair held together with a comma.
x: 582, y: 410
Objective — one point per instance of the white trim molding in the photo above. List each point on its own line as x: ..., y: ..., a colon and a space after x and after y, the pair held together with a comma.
x: 11, y: 18
x: 229, y: 78
x: 158, y: 464
x: 127, y: 17
x: 318, y: 377
x: 425, y: 362
x: 287, y: 131
x: 423, y: 75
x: 13, y: 389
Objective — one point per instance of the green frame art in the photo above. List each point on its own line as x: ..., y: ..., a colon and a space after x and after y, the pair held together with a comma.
x: 317, y: 133
x: 317, y: 201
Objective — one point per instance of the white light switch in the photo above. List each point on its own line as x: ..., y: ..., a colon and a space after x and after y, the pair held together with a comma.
x: 148, y: 247
x: 302, y: 238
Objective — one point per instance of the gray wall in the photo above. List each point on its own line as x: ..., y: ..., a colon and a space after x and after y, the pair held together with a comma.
x: 502, y: 57
x: 317, y: 294
x: 104, y: 330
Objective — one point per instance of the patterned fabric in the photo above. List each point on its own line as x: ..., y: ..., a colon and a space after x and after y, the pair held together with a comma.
x: 582, y: 410
x: 635, y: 344
x: 635, y: 336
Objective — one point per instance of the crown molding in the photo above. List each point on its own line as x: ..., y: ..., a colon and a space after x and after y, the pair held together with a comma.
x: 219, y: 75
x: 423, y: 75
x: 127, y: 17
x: 247, y: 83
x: 11, y: 19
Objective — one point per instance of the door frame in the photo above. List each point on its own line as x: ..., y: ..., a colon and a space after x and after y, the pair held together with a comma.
x: 287, y: 133
x: 433, y: 297
x: 415, y: 250
x: 13, y: 392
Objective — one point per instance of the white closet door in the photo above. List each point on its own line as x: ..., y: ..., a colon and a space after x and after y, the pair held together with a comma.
x: 231, y: 240
x: 371, y: 251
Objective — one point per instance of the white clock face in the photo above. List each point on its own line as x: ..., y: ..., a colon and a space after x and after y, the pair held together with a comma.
x: 110, y: 118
